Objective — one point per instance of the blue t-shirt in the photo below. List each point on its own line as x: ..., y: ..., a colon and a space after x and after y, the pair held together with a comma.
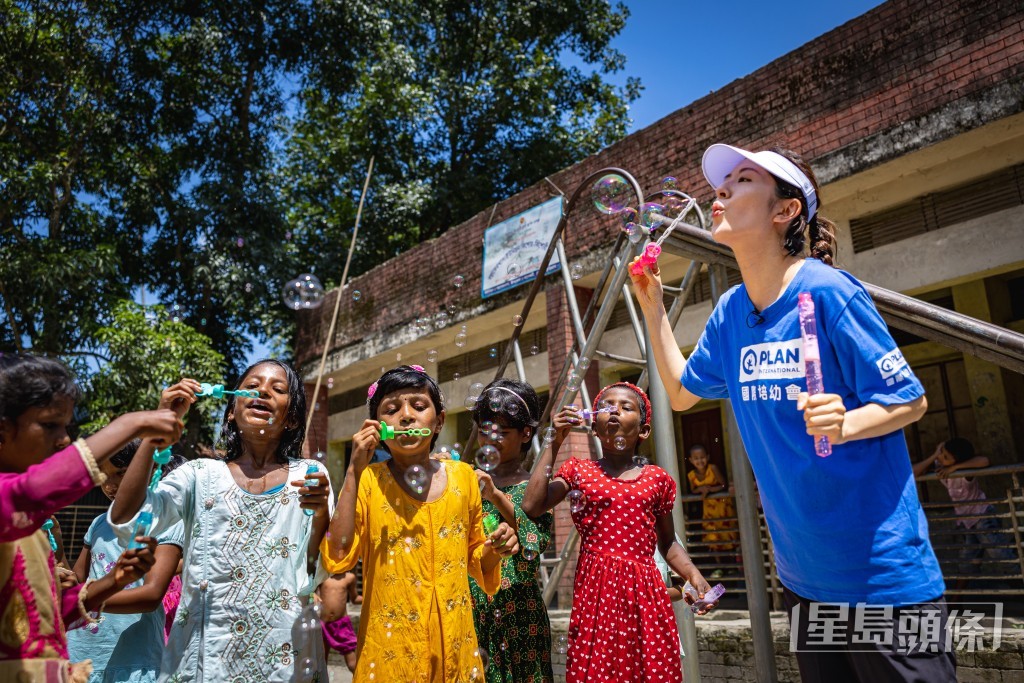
x: 848, y: 527
x: 122, y: 647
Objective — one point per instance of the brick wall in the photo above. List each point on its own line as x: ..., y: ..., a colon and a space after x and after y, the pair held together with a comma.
x: 900, y: 62
x: 316, y: 437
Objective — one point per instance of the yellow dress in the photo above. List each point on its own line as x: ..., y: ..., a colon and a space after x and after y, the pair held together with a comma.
x: 417, y: 618
x: 715, y: 509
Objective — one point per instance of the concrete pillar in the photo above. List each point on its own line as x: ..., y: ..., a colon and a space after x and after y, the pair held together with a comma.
x: 985, y: 383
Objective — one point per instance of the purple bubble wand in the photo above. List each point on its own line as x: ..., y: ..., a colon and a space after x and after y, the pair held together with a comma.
x: 812, y: 361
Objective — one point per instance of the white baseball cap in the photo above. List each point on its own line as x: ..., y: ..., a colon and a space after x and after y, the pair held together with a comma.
x: 719, y: 161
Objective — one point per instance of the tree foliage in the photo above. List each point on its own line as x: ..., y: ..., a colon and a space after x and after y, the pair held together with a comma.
x: 147, y: 350
x: 204, y: 153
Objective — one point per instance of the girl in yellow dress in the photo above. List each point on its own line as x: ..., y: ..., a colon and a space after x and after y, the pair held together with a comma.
x: 705, y: 478
x: 416, y: 524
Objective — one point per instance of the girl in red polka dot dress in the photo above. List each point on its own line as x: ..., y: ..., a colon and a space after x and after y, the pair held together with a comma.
x: 622, y: 626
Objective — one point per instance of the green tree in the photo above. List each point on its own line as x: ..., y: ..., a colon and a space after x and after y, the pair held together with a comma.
x: 145, y: 351
x: 461, y: 102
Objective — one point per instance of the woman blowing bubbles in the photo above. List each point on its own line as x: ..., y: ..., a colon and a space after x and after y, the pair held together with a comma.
x: 846, y: 528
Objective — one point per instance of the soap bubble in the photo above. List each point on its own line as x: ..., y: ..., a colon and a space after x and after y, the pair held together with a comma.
x: 492, y: 352
x: 458, y: 281
x: 488, y: 458
x: 647, y: 212
x: 561, y: 646
x: 441, y: 320
x: 517, y: 320
x: 356, y: 295
x: 673, y: 207
x: 577, y: 500
x: 633, y: 232
x: 640, y: 461
x: 619, y: 443
x: 669, y: 183
x: 330, y: 382
x: 610, y: 194
x: 582, y: 364
x: 534, y: 350
x: 513, y: 270
x: 529, y: 554
x: 456, y: 376
x: 574, y: 381
x: 494, y: 403
x: 576, y: 271
x: 240, y: 242
x: 432, y: 356
x: 549, y: 435
x: 460, y: 337
x: 416, y: 477
x: 304, y: 291
x: 475, y: 389
x: 307, y: 668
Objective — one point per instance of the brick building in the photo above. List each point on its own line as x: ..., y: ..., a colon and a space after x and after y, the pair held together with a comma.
x: 913, y: 117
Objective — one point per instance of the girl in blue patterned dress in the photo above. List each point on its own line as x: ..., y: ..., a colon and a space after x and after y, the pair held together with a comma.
x: 250, y: 551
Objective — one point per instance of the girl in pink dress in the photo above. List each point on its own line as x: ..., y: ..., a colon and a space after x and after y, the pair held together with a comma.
x: 622, y: 626
x: 41, y: 471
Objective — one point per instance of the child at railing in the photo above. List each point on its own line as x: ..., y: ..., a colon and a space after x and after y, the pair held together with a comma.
x: 622, y: 626
x: 706, y: 478
x: 980, y: 536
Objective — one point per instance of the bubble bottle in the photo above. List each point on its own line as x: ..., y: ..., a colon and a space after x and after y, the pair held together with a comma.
x: 710, y: 598
x: 48, y: 528
x: 145, y: 521
x: 812, y: 360
x: 218, y: 391
x: 310, y: 483
x: 490, y: 523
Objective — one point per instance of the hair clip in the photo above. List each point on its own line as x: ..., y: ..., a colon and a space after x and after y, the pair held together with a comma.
x: 418, y: 368
x: 371, y: 390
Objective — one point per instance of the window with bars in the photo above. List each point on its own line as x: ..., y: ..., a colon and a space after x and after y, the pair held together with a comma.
x: 1001, y: 190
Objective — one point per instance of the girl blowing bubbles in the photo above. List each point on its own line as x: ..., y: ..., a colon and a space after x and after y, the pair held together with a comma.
x: 512, y: 626
x: 622, y: 626
x: 847, y: 528
x: 416, y: 523
x: 250, y: 551
x: 41, y: 471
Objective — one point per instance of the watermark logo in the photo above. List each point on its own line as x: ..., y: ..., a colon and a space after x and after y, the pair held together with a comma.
x: 927, y: 628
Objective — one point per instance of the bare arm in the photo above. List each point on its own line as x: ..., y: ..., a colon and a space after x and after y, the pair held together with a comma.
x: 542, y: 492
x: 132, y: 492
x: 342, y: 526
x: 926, y: 464
x: 498, y: 499
x: 82, y: 564
x: 150, y: 594
x: 825, y: 414
x: 670, y: 361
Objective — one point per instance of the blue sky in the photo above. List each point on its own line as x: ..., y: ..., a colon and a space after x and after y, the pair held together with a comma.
x: 682, y: 50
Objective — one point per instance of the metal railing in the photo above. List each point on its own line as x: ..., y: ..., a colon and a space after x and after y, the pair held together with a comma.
x: 986, y: 558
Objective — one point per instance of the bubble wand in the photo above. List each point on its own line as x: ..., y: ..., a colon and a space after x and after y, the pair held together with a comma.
x: 812, y: 360
x: 652, y: 251
x: 48, y: 528
x: 218, y: 391
x: 588, y: 414
x: 389, y: 432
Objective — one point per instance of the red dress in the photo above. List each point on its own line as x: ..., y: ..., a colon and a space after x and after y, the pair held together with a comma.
x: 622, y: 626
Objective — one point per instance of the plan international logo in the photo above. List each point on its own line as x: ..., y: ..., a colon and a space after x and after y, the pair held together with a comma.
x: 771, y: 361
